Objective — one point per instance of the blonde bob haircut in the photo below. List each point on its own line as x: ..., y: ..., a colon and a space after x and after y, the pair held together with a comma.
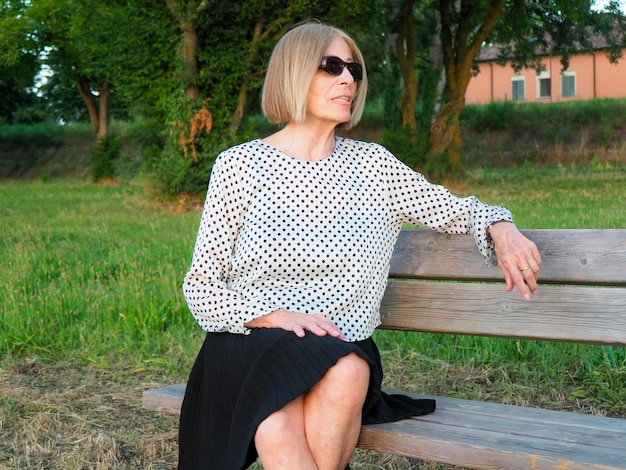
x: 293, y: 64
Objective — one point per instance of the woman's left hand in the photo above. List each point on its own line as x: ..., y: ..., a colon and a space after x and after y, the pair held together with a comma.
x: 518, y: 258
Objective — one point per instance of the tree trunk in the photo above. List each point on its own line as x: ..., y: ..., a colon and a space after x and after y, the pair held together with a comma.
x: 436, y: 64
x: 189, y: 54
x: 461, y: 43
x: 443, y: 129
x: 405, y: 50
x: 187, y: 16
x: 261, y: 32
x: 104, y: 111
x: 99, y: 107
x: 82, y: 84
x: 242, y: 100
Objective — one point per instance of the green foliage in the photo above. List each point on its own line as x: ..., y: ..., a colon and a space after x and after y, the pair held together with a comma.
x: 580, y: 360
x: 400, y: 141
x: 236, y: 41
x: 128, y: 45
x: 404, y: 145
x: 555, y: 121
x: 522, y: 29
x: 135, y: 48
x: 19, y: 104
x: 172, y: 174
x: 492, y: 116
x: 437, y: 168
x: 18, y: 67
x: 22, y: 146
x: 104, y: 153
x: 184, y: 163
x: 428, y: 81
x: 256, y: 125
x: 558, y: 123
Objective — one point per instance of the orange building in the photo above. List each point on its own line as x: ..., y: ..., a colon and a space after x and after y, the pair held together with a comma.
x: 589, y: 75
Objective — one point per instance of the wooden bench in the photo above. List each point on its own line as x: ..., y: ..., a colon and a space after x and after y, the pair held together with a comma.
x: 439, y: 283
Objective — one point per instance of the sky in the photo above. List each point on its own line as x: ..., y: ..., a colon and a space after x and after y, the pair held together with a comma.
x: 599, y: 4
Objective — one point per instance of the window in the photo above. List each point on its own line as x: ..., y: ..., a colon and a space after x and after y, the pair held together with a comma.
x: 568, y: 84
x: 544, y: 85
x: 519, y: 88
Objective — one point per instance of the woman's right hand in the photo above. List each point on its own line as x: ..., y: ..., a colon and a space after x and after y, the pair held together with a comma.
x: 299, y: 323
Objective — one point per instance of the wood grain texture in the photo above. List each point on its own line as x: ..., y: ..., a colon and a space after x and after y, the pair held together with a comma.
x: 493, y: 436
x: 594, y: 315
x: 595, y: 257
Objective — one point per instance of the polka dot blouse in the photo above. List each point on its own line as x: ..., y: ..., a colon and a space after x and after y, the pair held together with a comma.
x: 313, y: 237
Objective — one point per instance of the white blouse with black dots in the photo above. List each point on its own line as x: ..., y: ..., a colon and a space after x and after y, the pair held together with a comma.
x: 313, y: 237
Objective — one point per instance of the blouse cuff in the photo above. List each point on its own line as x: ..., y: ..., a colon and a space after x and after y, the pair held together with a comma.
x: 260, y: 309
x: 485, y: 243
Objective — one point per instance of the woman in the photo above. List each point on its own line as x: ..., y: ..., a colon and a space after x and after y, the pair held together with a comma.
x: 290, y: 266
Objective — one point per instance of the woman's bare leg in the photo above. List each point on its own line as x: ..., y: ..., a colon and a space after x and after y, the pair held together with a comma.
x: 280, y: 439
x: 319, y: 429
x: 333, y: 409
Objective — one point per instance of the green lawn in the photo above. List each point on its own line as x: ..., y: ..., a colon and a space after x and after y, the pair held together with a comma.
x: 94, y: 271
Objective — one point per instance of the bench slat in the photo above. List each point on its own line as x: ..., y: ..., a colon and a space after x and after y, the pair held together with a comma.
x: 523, y: 414
x: 165, y: 399
x: 595, y: 257
x: 465, y: 432
x: 595, y: 315
x: 485, y: 449
x: 509, y: 421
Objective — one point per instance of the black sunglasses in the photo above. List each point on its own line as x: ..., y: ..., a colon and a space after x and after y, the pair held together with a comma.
x: 334, y: 66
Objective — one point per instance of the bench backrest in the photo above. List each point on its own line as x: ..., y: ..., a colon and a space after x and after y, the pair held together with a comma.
x: 440, y: 283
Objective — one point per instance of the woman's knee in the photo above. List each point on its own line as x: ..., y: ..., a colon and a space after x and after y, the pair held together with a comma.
x: 347, y: 380
x: 353, y: 369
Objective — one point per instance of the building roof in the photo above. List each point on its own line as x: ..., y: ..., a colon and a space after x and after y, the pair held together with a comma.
x: 492, y: 52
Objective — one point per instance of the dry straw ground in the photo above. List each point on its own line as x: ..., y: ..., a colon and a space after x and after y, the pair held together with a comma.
x: 63, y: 416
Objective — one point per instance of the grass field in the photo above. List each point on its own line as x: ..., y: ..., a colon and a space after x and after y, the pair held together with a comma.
x: 92, y: 314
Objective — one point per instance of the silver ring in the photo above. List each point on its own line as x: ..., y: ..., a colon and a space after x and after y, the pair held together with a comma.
x: 524, y: 269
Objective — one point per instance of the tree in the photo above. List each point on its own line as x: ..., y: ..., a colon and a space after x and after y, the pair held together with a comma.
x: 555, y: 26
x: 67, y: 46
x: 409, y: 97
x: 237, y: 38
x: 102, y: 49
x: 18, y: 103
x: 405, y: 51
x: 18, y: 66
x: 188, y: 14
x: 464, y: 28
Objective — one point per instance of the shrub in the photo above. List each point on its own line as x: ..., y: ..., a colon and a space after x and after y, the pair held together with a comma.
x: 103, y: 155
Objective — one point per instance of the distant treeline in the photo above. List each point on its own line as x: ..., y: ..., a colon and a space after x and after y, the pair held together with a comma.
x: 504, y: 134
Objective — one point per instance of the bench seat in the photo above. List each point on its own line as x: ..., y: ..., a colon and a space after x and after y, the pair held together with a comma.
x: 439, y: 283
x: 480, y: 434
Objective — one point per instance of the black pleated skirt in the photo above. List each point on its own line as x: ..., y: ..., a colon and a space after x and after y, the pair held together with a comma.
x: 239, y: 380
